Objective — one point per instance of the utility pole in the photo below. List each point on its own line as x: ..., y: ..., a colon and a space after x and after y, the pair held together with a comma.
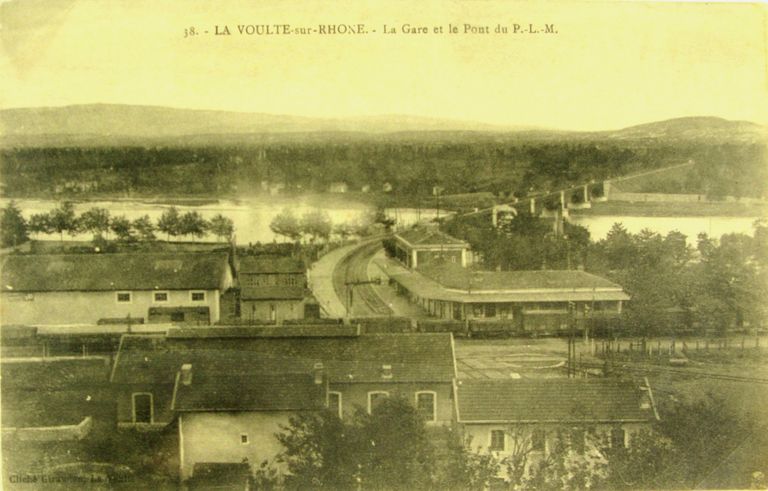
x: 349, y: 288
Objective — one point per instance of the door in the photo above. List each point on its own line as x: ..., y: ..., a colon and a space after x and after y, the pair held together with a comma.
x: 142, y: 408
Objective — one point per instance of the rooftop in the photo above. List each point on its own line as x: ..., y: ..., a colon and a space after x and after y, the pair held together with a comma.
x: 110, y: 272
x: 452, y: 275
x: 428, y: 236
x: 458, y: 284
x: 270, y: 264
x: 285, y: 331
x: 552, y: 401
x: 155, y: 359
x: 210, y: 390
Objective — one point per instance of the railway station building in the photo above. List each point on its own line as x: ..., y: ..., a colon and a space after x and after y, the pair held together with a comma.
x: 524, y: 301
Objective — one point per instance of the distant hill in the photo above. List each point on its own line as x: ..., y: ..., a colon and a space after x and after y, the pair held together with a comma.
x: 127, y: 121
x: 117, y: 124
x: 694, y: 128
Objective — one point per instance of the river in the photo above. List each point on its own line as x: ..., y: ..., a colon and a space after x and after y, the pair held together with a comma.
x: 252, y: 217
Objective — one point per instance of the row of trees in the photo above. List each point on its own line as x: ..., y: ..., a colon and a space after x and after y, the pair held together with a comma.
x: 459, y: 163
x: 99, y: 222
x: 392, y: 449
x: 715, y: 285
x: 316, y: 224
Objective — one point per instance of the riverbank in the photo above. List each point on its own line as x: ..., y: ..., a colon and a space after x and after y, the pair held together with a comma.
x: 672, y: 209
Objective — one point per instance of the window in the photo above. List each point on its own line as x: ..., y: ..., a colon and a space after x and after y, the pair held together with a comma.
x: 457, y: 311
x: 477, y: 309
x: 334, y: 403
x: 198, y: 296
x: 160, y: 297
x: 490, y: 310
x: 375, y: 398
x: 497, y: 440
x: 618, y: 438
x: 142, y: 408
x: 538, y: 440
x: 244, y: 438
x: 577, y: 440
x: 123, y: 297
x: 425, y: 405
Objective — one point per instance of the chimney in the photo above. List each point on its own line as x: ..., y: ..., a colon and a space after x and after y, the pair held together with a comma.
x: 186, y: 374
x: 386, y: 371
x: 318, y: 371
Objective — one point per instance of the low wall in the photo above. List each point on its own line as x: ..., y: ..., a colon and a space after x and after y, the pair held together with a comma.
x: 50, y: 433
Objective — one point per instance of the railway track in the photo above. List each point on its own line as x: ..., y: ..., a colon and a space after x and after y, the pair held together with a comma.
x: 352, y: 268
x: 683, y: 372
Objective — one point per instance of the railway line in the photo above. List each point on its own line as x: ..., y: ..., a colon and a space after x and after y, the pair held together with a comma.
x: 682, y: 372
x: 354, y: 268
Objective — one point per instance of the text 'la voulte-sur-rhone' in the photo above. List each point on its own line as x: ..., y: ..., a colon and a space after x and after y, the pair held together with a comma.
x: 358, y: 29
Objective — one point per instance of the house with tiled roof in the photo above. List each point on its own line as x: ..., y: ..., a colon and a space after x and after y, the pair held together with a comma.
x: 274, y: 289
x: 529, y: 417
x: 361, y: 368
x: 101, y: 288
x: 226, y: 417
x: 241, y: 381
x: 425, y: 245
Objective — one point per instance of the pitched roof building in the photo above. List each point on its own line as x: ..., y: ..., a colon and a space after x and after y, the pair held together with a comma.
x: 553, y: 401
x: 89, y: 288
x: 274, y: 289
x: 430, y: 267
x: 424, y: 245
x: 229, y: 387
x: 528, y: 419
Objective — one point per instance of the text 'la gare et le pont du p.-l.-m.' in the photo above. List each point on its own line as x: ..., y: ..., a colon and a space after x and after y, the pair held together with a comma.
x: 362, y: 29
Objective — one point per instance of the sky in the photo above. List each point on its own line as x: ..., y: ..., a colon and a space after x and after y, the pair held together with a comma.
x: 610, y: 64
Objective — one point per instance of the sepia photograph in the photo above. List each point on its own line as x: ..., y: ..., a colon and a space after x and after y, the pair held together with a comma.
x: 374, y: 245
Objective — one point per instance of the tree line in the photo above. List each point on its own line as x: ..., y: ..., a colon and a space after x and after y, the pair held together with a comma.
x: 391, y: 448
x: 101, y: 223
x: 411, y: 168
x: 715, y: 285
x: 316, y: 225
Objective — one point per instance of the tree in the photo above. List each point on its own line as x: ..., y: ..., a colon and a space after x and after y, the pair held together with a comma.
x: 40, y: 223
x: 121, y: 227
x: 169, y: 222
x: 388, y: 449
x: 380, y: 216
x: 222, y: 227
x: 286, y: 224
x: 460, y: 468
x: 13, y: 227
x: 702, y: 433
x: 650, y: 462
x: 144, y: 228
x: 319, y: 451
x: 344, y: 230
x: 95, y: 221
x: 62, y: 219
x: 192, y: 223
x: 317, y: 224
x: 395, y: 450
